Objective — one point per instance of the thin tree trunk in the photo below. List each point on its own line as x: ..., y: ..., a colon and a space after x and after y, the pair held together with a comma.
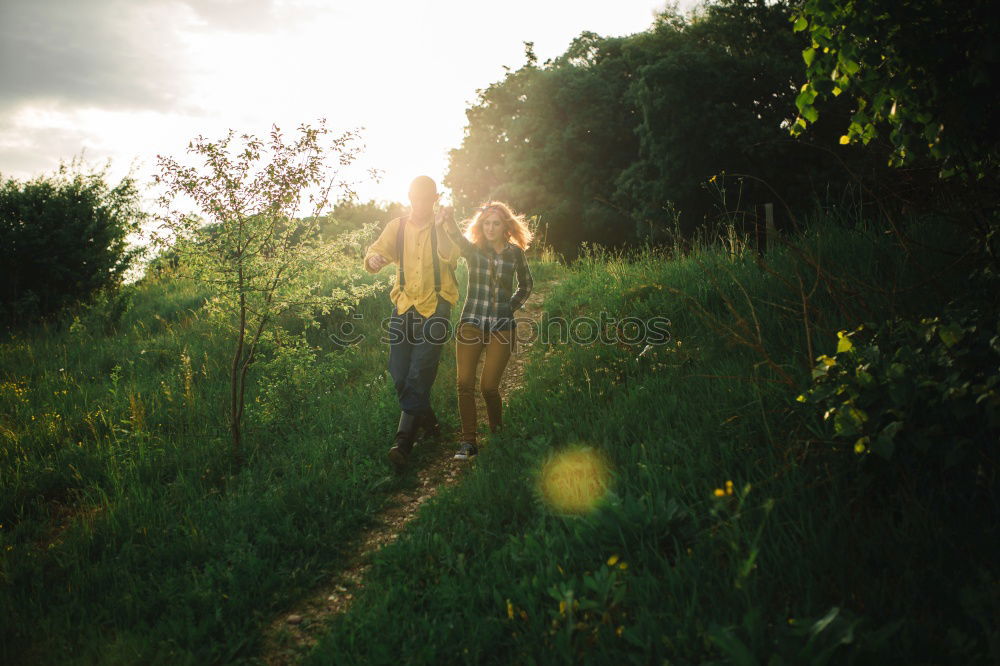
x: 235, y: 392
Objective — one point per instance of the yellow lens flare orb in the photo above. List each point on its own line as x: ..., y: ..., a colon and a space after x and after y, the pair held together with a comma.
x: 575, y: 480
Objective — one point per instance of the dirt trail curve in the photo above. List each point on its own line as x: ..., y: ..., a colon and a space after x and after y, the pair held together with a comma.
x: 291, y: 635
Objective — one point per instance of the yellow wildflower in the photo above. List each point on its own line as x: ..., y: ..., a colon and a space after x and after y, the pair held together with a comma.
x: 719, y: 492
x: 612, y: 560
x: 510, y: 610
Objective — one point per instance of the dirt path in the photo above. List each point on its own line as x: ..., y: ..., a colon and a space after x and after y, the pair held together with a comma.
x: 290, y: 636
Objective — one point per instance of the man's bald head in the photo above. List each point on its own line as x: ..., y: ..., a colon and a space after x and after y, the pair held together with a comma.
x: 423, y: 187
x: 423, y: 195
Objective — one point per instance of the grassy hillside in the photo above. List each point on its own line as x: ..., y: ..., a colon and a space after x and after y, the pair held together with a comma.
x: 729, y: 533
x: 731, y: 530
x: 124, y: 535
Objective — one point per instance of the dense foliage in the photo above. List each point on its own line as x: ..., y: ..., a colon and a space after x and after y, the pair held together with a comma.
x: 915, y: 402
x: 63, y: 238
x: 618, y: 137
x: 924, y: 72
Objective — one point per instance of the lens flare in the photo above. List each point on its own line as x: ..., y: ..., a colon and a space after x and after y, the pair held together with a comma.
x: 574, y: 480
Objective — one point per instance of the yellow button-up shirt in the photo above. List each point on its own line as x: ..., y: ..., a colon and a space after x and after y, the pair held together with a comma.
x: 419, y: 266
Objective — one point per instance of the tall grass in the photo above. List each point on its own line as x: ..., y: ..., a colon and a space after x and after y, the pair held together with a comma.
x: 722, y: 537
x: 124, y: 535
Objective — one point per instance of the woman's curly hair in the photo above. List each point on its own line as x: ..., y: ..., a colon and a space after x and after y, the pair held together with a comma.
x: 515, y: 228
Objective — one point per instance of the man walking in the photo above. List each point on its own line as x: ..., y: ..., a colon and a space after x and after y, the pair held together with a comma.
x: 423, y: 296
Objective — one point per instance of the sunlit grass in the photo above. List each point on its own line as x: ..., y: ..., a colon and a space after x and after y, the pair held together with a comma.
x: 709, y: 518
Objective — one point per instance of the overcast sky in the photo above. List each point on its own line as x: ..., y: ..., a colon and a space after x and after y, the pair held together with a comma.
x: 130, y: 79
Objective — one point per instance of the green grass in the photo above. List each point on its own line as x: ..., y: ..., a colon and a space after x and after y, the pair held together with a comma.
x: 489, y: 573
x: 125, y: 536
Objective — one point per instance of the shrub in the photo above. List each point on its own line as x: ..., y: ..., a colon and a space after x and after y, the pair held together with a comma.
x: 916, y: 401
x: 63, y: 238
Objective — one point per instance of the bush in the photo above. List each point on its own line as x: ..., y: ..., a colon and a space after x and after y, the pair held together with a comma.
x: 909, y: 411
x: 922, y: 395
x: 63, y: 239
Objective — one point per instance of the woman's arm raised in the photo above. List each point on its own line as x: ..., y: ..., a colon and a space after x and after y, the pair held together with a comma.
x: 452, y: 238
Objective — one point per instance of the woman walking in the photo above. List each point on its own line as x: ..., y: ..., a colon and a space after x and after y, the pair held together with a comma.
x: 493, y: 247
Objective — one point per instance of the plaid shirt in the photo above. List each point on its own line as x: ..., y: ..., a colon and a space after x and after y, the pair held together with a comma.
x: 489, y: 302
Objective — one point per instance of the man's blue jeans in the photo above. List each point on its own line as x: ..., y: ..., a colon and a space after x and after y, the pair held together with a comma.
x: 415, y: 344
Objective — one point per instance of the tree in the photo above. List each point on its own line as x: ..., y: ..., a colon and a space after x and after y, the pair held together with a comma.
x: 260, y: 257
x: 551, y: 139
x: 708, y: 94
x: 924, y: 72
x: 63, y: 239
x: 608, y: 140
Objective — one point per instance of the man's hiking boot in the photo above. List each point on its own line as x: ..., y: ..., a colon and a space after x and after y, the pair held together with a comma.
x: 399, y: 454
x: 428, y: 424
x: 466, y: 451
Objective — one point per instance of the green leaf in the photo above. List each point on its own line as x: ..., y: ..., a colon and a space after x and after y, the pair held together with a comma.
x: 809, y: 55
x: 883, y: 446
x: 805, y: 99
x: 843, y: 342
x: 950, y: 334
x: 858, y: 416
x: 824, y: 621
x: 800, y: 24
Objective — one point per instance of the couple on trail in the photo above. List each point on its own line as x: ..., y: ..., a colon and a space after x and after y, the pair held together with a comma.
x: 426, y: 247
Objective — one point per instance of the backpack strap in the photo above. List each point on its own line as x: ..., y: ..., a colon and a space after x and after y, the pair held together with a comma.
x: 437, y: 265
x: 401, y: 280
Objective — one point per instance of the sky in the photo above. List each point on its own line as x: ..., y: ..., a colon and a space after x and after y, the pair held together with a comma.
x: 132, y: 79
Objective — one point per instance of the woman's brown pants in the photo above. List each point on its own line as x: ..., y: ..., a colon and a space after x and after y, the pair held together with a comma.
x: 470, y: 341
